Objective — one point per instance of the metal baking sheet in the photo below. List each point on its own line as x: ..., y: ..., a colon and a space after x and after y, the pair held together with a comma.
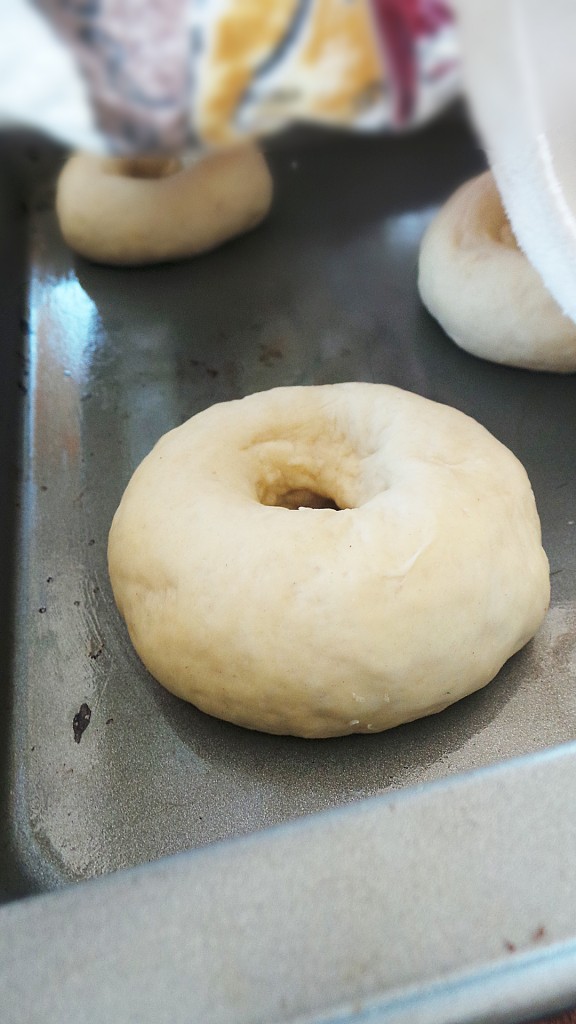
x: 446, y: 904
x: 325, y: 291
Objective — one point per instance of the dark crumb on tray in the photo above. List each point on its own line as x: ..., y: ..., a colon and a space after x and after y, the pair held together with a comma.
x: 95, y: 649
x: 42, y: 610
x: 269, y: 354
x: 207, y: 369
x: 81, y: 721
x: 109, y: 721
x: 509, y: 946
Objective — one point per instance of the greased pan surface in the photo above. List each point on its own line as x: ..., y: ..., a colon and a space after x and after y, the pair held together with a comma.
x: 325, y: 291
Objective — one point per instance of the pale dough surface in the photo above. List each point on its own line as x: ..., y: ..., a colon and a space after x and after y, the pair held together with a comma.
x: 130, y: 212
x: 484, y: 292
x: 313, y: 621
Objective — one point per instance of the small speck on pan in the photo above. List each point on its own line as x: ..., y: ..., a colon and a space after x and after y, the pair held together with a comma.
x: 81, y: 721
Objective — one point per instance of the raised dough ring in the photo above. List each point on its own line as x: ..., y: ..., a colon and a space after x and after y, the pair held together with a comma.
x: 328, y: 560
x: 151, y: 210
x: 484, y: 292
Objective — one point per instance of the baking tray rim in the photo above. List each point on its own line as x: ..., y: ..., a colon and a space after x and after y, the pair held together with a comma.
x: 107, y: 912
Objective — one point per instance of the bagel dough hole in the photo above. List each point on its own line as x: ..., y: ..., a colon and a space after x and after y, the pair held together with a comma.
x: 144, y: 167
x: 301, y: 497
x: 295, y: 475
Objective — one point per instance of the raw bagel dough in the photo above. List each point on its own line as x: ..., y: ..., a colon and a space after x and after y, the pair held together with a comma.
x: 149, y: 210
x: 484, y: 292
x: 317, y: 622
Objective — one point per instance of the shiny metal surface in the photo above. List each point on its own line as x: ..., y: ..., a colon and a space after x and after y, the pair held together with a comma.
x: 325, y: 291
x: 446, y: 904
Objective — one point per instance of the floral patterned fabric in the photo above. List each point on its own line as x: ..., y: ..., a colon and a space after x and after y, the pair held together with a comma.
x: 170, y: 74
